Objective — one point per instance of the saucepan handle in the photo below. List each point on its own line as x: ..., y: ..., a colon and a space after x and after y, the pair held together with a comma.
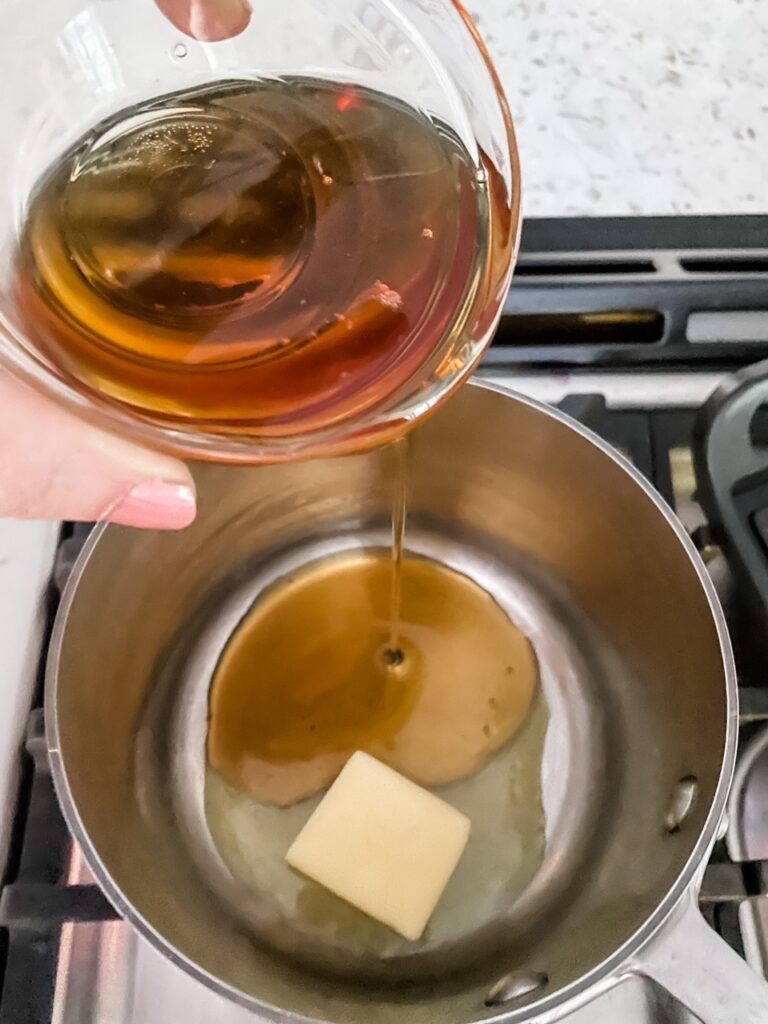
x: 699, y: 969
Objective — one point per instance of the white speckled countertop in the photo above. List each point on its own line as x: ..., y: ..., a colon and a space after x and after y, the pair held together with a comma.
x: 636, y: 106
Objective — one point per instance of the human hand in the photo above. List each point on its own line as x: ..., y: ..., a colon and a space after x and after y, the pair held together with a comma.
x: 56, y: 466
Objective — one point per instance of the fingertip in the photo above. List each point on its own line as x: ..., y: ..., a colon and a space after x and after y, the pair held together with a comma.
x: 209, y: 21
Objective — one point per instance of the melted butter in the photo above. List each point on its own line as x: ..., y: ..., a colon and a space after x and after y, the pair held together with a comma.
x: 303, y: 683
x: 503, y: 799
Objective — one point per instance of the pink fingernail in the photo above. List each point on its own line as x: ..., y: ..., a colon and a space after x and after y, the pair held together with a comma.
x: 156, y: 505
x: 208, y: 20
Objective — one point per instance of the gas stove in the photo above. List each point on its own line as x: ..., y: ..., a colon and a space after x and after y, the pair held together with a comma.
x: 633, y: 326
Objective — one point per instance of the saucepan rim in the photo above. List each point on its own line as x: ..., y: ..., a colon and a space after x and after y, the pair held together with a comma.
x: 575, y: 991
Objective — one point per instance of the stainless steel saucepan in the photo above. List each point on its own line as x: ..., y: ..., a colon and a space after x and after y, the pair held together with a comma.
x: 590, y: 831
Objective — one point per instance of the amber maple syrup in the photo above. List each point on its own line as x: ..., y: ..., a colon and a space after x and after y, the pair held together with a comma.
x: 392, y: 653
x: 267, y: 256
x: 302, y: 684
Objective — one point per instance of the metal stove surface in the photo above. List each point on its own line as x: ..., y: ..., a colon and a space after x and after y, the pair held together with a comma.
x: 112, y: 977
x: 108, y: 975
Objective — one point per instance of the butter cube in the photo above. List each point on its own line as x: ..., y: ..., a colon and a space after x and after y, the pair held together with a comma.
x: 383, y: 844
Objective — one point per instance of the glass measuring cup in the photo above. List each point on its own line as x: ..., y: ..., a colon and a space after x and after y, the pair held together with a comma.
x: 95, y: 63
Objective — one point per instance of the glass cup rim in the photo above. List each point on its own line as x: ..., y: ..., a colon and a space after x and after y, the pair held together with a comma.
x: 391, y: 419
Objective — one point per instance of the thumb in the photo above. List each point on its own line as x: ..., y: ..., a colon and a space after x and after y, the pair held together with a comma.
x: 208, y: 20
x: 55, y: 466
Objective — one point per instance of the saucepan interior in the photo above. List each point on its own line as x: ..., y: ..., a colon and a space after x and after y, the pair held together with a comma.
x: 632, y: 701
